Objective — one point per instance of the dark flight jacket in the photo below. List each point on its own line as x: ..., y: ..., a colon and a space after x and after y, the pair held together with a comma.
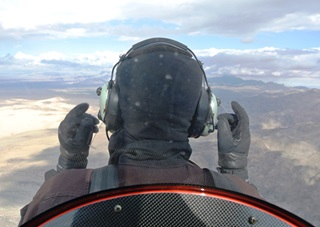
x: 74, y: 183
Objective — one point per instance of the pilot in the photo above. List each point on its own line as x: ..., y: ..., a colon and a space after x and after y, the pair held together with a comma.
x: 157, y: 98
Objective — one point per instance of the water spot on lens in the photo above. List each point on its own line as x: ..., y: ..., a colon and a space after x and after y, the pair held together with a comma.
x: 137, y: 103
x: 161, y: 55
x: 135, y: 60
x: 168, y: 77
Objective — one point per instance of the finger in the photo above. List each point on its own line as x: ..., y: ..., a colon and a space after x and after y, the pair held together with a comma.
x: 95, y: 121
x: 68, y: 127
x: 240, y: 112
x: 84, y: 133
x: 226, y: 116
x: 95, y: 129
x: 225, y: 138
x: 231, y: 118
x: 77, y: 111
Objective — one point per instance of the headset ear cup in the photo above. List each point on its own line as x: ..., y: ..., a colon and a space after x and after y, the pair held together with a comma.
x: 109, y: 111
x: 205, y: 117
x: 112, y: 117
x: 200, y: 116
x: 102, y: 92
x: 212, y: 120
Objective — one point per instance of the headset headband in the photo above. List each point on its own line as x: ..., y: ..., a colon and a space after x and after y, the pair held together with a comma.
x: 160, y: 42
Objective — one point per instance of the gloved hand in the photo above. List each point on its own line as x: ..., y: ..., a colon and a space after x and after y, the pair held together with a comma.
x: 75, y: 135
x: 233, y: 138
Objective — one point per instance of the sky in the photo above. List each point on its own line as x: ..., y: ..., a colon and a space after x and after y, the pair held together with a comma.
x: 268, y: 40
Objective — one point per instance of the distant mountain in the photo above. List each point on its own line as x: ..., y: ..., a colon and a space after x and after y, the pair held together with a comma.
x: 234, y: 81
x: 61, y: 81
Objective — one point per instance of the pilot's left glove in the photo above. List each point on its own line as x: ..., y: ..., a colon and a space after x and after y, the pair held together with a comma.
x: 234, y: 141
x: 75, y: 135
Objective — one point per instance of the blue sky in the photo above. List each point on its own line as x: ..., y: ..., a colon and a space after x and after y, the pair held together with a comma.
x: 254, y: 39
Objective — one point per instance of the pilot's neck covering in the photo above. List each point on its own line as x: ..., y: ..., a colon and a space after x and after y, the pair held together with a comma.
x: 124, y: 149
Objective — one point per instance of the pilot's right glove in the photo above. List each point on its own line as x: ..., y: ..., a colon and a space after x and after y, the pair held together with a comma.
x: 75, y: 135
x: 234, y: 141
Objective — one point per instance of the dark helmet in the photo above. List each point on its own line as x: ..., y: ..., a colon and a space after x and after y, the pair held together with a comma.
x: 159, y: 86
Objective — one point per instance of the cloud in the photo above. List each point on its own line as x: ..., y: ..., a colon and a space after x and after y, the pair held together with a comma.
x: 55, y: 64
x: 76, y: 18
x: 288, y: 66
x: 34, y: 13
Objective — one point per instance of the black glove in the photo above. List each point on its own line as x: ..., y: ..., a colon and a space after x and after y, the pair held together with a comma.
x: 233, y: 139
x: 75, y: 135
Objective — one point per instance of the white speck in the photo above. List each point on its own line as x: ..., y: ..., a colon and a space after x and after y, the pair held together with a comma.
x: 137, y: 104
x: 168, y: 77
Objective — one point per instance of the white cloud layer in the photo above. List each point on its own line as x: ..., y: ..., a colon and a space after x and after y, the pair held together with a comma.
x: 78, y: 18
x: 288, y: 66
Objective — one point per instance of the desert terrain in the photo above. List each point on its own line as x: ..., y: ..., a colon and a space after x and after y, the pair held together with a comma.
x: 283, y: 162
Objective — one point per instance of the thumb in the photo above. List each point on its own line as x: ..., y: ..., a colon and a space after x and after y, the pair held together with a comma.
x: 78, y: 110
x: 240, y: 112
x: 242, y: 129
